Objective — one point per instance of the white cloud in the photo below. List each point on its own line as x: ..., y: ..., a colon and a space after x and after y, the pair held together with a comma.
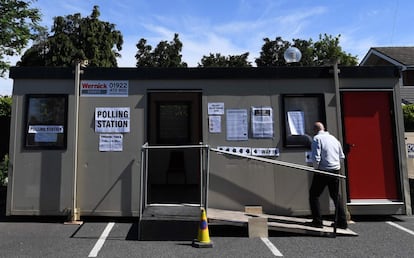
x: 195, y: 48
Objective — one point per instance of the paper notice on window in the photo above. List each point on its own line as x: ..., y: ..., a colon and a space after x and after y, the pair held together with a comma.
x: 236, y: 125
x: 262, y: 122
x: 296, y: 121
x: 46, y: 137
x: 110, y: 142
x: 46, y: 129
x: 214, y: 124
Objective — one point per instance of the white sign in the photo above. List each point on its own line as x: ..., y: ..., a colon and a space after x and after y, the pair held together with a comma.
x: 110, y: 142
x: 214, y: 124
x: 216, y: 108
x: 262, y: 122
x: 296, y: 121
x: 104, y: 88
x: 112, y: 120
x: 45, y: 128
x: 274, y: 152
x: 236, y: 125
x: 410, y: 150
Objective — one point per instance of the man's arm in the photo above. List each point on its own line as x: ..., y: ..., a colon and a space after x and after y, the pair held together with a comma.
x: 316, y: 153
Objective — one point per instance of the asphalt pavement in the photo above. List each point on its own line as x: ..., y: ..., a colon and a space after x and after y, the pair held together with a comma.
x: 25, y: 236
x: 391, y: 236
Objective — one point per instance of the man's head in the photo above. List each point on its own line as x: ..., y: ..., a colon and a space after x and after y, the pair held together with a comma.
x: 318, y: 126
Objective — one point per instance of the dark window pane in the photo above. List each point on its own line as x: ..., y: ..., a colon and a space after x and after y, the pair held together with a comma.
x: 174, y: 119
x: 46, y: 117
x: 300, y: 113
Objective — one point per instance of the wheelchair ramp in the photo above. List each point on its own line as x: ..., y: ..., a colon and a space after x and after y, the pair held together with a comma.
x: 277, y: 223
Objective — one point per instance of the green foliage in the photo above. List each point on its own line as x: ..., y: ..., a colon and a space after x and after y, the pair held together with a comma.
x: 5, y: 106
x: 4, y: 169
x: 19, y: 23
x: 319, y: 53
x: 218, y: 60
x: 76, y: 38
x: 328, y: 48
x: 165, y: 54
x: 272, y: 52
x: 408, y: 113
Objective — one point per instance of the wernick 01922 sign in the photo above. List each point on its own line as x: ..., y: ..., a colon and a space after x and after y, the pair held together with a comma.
x: 104, y: 88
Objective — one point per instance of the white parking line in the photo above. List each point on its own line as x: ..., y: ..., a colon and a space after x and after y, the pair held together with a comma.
x: 272, y: 248
x: 95, y: 250
x: 400, y: 227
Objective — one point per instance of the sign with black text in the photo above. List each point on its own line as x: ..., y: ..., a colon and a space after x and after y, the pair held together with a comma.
x: 104, y: 88
x: 112, y: 119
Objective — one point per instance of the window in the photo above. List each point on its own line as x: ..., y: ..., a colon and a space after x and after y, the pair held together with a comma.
x: 300, y: 112
x: 408, y: 77
x: 46, y: 121
x: 174, y: 122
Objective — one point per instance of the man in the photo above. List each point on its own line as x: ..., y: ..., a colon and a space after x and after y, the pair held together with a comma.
x: 327, y: 154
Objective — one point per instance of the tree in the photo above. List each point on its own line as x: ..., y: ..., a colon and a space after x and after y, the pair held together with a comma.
x: 307, y: 49
x: 5, y: 114
x: 321, y: 52
x: 272, y: 52
x: 408, y: 113
x: 76, y: 38
x: 165, y: 54
x: 217, y: 60
x: 328, y: 48
x: 5, y: 106
x: 19, y: 23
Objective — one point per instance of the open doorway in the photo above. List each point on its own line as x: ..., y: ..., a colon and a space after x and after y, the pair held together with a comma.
x: 174, y: 119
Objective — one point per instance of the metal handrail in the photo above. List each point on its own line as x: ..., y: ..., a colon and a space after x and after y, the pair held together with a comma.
x: 280, y: 163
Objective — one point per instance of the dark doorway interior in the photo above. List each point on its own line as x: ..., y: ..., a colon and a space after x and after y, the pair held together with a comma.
x: 174, y: 173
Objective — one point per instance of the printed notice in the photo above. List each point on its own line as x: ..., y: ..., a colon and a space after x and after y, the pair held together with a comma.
x: 262, y: 122
x: 216, y: 108
x: 236, y: 125
x: 214, y: 124
x: 296, y: 121
x: 46, y: 133
x: 110, y: 142
x: 112, y: 120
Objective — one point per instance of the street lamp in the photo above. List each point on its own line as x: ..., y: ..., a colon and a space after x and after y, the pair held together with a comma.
x: 292, y: 55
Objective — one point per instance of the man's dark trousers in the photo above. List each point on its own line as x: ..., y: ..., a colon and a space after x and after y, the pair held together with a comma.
x: 319, y: 183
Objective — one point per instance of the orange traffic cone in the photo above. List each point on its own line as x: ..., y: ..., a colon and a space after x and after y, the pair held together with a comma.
x: 203, y: 237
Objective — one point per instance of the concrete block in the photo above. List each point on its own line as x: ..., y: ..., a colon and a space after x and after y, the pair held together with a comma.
x: 253, y: 209
x: 257, y: 227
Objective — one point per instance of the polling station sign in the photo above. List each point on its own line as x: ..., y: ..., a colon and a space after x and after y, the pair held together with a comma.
x: 104, y: 88
x: 112, y: 119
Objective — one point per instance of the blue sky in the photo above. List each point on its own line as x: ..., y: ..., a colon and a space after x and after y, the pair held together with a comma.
x: 233, y: 27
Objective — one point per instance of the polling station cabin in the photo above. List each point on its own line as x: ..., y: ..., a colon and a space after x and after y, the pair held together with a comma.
x: 115, y: 141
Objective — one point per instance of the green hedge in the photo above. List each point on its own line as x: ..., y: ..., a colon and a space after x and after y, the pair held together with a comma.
x: 408, y: 112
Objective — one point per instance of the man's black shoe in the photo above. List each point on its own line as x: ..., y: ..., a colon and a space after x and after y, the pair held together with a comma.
x: 314, y: 224
x: 340, y: 225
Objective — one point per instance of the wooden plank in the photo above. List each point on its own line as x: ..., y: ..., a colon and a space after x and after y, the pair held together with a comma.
x: 278, y: 223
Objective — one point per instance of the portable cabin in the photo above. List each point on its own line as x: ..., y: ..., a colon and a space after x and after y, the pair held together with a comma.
x: 111, y: 141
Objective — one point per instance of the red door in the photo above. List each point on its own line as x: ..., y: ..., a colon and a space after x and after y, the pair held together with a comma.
x: 371, y: 163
